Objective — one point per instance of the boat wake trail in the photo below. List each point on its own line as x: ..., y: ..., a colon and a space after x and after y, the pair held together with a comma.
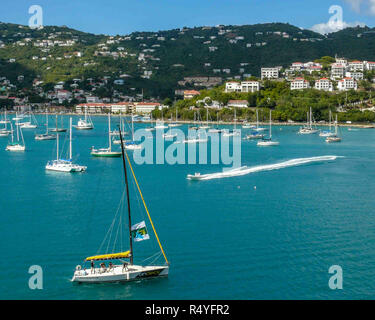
x: 247, y: 170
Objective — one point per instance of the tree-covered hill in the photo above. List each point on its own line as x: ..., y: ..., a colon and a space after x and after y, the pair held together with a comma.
x: 156, y: 61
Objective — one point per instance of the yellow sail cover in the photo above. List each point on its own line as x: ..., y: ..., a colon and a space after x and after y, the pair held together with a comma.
x: 119, y: 255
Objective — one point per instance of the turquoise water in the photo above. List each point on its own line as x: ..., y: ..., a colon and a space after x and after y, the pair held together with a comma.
x: 223, y: 238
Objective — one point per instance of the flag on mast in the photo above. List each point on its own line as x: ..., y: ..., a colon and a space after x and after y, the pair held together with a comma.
x: 139, y: 232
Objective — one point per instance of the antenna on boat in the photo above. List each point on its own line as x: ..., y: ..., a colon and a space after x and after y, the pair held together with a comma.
x: 127, y: 196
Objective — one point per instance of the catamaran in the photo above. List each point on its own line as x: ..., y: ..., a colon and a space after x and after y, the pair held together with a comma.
x: 85, y: 124
x: 57, y: 129
x: 123, y: 271
x: 308, y: 128
x: 106, y: 152
x: 268, y: 142
x: 335, y: 137
x: 328, y: 133
x: 64, y: 165
x: 45, y: 136
x: 16, y: 145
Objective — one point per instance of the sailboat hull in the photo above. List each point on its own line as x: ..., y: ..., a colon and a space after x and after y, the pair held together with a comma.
x: 118, y: 274
x: 107, y: 154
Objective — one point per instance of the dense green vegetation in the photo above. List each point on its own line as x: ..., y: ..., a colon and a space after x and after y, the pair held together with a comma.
x: 286, y: 104
x: 185, y: 47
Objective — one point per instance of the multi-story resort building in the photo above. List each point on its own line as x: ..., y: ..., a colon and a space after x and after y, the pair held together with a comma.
x: 346, y: 84
x: 244, y: 86
x: 324, y: 84
x: 337, y: 71
x: 299, y: 84
x: 270, y: 73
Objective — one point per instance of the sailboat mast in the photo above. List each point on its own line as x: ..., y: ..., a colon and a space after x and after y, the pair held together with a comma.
x: 270, y: 124
x: 109, y: 132
x: 127, y: 196
x: 70, y: 139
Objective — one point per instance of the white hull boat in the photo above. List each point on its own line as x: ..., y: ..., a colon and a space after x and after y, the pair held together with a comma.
x: 119, y: 274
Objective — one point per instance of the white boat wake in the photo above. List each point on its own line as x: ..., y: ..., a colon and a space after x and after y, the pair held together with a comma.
x: 247, y: 170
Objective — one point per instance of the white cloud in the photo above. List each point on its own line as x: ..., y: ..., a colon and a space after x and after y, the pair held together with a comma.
x: 365, y: 6
x: 334, y: 26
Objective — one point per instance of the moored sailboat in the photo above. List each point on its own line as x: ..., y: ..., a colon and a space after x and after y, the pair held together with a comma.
x: 124, y: 271
x: 106, y: 152
x: 18, y: 145
x: 64, y: 165
x: 268, y: 142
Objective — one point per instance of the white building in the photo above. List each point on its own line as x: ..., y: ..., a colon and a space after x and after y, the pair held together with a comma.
x: 347, y: 84
x: 370, y: 65
x: 146, y: 107
x: 233, y: 86
x: 299, y: 84
x: 355, y: 75
x: 356, y: 65
x: 324, y: 84
x: 337, y: 71
x: 250, y: 86
x: 270, y: 73
x: 244, y: 86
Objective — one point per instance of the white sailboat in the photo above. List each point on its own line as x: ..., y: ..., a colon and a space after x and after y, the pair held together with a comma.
x: 106, y: 152
x: 18, y: 145
x: 4, y: 132
x: 335, y: 137
x: 234, y: 132
x: 31, y: 123
x: 65, y: 165
x: 175, y: 124
x: 121, y: 270
x: 204, y: 127
x: 85, y: 124
x: 131, y: 145
x: 268, y: 142
x: 45, y: 136
x: 308, y: 128
x: 57, y: 129
x: 151, y: 127
x: 328, y: 133
x: 4, y: 119
x: 257, y: 128
x: 217, y: 129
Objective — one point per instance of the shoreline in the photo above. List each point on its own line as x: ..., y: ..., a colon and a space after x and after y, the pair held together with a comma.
x: 214, y: 123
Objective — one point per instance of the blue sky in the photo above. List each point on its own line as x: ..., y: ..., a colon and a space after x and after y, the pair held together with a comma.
x: 125, y: 16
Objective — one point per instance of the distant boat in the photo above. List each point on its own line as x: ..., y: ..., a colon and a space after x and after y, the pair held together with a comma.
x: 308, y: 128
x: 131, y: 145
x: 204, y: 127
x: 267, y: 142
x: 234, y: 132
x: 5, y: 132
x: 106, y: 152
x: 335, y: 137
x: 85, y: 124
x: 175, y: 124
x: 328, y: 133
x: 45, y: 136
x: 216, y: 129
x: 57, y: 129
x: 257, y: 128
x: 31, y: 124
x: 18, y: 145
x: 63, y: 165
x: 254, y: 136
